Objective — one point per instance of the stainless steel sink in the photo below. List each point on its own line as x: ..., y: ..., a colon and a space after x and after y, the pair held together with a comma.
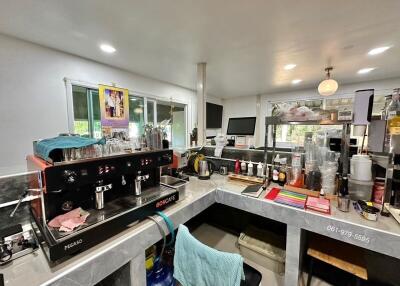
x: 175, y: 183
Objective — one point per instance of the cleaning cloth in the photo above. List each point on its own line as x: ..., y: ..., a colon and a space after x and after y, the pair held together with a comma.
x: 45, y: 146
x: 196, y: 264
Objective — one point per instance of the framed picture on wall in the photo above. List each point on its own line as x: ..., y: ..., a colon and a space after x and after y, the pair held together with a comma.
x: 114, y: 106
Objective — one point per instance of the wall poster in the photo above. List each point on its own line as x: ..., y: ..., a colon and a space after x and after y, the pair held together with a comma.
x: 114, y: 107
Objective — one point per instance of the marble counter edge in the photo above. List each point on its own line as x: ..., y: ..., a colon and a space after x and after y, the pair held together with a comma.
x: 379, y: 240
x: 122, y: 252
x: 89, y: 268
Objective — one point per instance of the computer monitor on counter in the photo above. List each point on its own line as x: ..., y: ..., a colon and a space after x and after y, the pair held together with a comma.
x: 243, y: 128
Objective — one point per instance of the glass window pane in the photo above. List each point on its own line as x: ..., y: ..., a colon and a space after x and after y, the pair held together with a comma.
x: 379, y: 104
x: 97, y: 132
x: 176, y: 129
x: 163, y: 112
x: 136, y: 116
x: 293, y: 135
x: 150, y: 112
x: 81, y: 120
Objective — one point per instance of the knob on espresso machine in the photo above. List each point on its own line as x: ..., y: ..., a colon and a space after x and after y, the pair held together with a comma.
x: 70, y: 176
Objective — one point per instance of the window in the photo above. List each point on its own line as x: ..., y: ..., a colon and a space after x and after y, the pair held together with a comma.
x: 289, y: 135
x: 87, y: 121
x: 136, y: 116
x: 176, y: 129
x: 86, y: 112
x: 151, y: 111
x: 293, y: 135
x: 81, y: 122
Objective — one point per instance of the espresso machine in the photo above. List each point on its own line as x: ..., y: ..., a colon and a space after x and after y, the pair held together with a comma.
x: 115, y: 192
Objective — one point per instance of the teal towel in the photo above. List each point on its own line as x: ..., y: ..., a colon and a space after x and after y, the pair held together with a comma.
x: 45, y: 146
x: 196, y: 264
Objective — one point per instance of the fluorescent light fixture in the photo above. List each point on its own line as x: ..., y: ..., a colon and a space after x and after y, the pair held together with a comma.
x: 378, y: 50
x: 107, y: 48
x: 289, y: 66
x: 365, y: 70
x: 296, y: 81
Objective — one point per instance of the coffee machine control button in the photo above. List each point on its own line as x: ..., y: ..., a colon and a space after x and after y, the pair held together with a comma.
x: 167, y: 157
x: 70, y: 176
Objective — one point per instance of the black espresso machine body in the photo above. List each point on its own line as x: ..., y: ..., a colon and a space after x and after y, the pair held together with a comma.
x: 117, y: 191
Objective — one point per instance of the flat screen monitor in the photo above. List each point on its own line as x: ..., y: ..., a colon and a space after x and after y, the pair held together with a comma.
x: 214, y: 115
x: 241, y: 126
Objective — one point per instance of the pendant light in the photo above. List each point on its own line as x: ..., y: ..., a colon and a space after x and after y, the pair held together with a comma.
x: 328, y: 86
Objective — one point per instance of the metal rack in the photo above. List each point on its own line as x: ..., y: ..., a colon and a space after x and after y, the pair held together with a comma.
x: 273, y: 121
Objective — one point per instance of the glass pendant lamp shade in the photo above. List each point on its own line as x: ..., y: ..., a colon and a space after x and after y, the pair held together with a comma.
x: 328, y: 86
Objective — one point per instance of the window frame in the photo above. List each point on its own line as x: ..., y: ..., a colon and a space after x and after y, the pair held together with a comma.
x: 69, y: 83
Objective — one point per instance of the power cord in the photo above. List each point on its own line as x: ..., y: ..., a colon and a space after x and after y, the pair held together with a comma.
x: 171, y: 228
x: 163, y: 235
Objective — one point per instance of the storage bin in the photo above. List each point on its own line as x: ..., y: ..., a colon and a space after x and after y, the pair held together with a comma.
x: 265, y: 248
x: 360, y: 190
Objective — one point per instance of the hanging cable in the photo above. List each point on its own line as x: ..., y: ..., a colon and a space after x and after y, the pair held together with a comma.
x: 170, y: 226
x: 163, y: 236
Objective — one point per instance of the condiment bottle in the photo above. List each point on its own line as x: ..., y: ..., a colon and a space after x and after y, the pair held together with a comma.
x: 250, y: 169
x: 243, y: 167
x: 260, y: 170
x: 237, y: 167
x: 275, y: 169
x: 282, y: 172
x: 322, y: 193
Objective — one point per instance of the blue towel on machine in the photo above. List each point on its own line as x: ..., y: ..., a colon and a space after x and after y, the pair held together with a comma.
x: 196, y: 264
x: 45, y: 146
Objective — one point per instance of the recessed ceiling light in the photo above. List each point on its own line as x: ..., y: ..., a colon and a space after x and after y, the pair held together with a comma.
x: 296, y: 81
x: 378, y: 50
x: 365, y: 70
x: 289, y: 66
x: 107, y: 48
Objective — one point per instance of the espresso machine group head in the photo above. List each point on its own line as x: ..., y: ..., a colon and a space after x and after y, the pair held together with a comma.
x: 115, y: 190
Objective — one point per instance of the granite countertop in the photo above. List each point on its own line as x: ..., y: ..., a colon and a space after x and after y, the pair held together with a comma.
x: 382, y: 236
x: 92, y: 265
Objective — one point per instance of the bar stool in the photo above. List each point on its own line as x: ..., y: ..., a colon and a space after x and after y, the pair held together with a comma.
x: 338, y: 254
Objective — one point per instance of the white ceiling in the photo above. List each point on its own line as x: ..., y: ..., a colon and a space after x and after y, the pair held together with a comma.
x: 245, y: 43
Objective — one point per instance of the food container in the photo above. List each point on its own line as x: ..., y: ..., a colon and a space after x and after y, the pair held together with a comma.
x: 360, y: 167
x: 265, y: 248
x: 360, y: 190
x: 175, y: 183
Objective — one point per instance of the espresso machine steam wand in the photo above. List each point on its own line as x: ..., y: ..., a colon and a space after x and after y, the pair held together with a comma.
x: 138, y: 183
x: 100, y: 189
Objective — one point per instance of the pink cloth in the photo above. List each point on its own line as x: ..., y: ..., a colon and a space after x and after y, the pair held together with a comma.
x: 70, y: 220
